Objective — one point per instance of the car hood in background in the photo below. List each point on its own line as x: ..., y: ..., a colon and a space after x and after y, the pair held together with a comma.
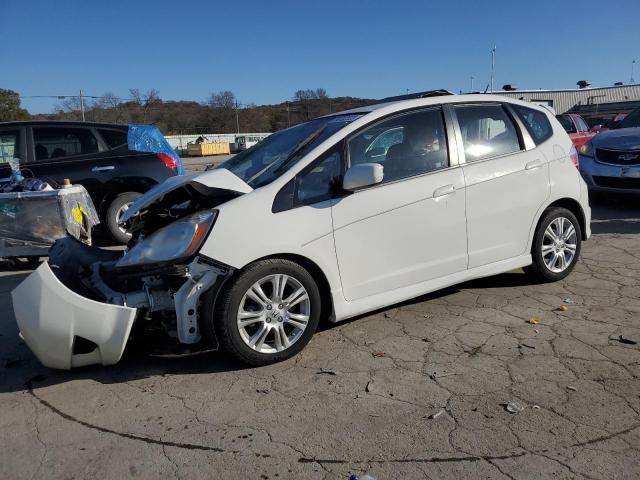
x: 623, y: 139
x: 218, y: 179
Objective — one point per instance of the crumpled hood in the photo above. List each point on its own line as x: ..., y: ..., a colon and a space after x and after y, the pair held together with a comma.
x: 218, y: 178
x: 623, y: 139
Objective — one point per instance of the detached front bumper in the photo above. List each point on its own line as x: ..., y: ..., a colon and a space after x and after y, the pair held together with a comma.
x: 55, y: 321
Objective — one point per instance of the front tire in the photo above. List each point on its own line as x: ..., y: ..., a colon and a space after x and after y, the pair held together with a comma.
x: 115, y: 210
x: 556, y: 245
x: 268, y: 313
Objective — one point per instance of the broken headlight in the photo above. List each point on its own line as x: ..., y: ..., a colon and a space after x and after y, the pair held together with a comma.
x: 178, y: 240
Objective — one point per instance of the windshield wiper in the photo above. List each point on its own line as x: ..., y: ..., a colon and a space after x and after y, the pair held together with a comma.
x: 282, y: 165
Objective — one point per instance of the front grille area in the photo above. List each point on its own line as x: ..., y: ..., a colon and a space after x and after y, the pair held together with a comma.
x: 615, y: 182
x: 613, y: 156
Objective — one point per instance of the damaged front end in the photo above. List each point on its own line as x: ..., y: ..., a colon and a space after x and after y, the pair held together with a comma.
x: 81, y: 307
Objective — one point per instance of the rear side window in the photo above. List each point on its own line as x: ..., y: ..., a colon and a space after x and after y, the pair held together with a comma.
x: 582, y: 125
x: 567, y: 123
x: 53, y: 143
x: 8, y: 146
x: 487, y: 131
x: 114, y: 138
x: 536, y: 122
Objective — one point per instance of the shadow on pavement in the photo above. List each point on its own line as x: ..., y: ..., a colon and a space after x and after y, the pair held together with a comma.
x: 615, y: 213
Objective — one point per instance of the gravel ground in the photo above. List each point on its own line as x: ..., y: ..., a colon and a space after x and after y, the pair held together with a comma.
x: 420, y: 390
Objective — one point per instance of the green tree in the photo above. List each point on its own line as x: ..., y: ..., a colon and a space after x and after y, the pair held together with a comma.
x: 10, y: 106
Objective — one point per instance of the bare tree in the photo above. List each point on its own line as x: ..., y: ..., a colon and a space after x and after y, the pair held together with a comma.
x: 222, y: 99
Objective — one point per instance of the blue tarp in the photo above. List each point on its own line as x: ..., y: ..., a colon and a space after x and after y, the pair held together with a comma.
x: 147, y: 138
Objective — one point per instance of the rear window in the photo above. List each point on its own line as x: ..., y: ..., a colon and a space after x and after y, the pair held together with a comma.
x: 567, y: 123
x: 536, y: 122
x: 114, y: 138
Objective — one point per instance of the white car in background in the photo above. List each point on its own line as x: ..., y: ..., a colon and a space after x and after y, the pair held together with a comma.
x: 314, y: 224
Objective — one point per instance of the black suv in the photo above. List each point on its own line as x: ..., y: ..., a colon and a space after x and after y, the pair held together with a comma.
x: 95, y: 155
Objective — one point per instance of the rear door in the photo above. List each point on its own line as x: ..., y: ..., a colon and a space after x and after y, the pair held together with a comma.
x: 72, y: 152
x: 507, y: 180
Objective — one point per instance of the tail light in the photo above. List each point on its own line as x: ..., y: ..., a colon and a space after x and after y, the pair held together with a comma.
x: 573, y: 154
x: 171, y: 162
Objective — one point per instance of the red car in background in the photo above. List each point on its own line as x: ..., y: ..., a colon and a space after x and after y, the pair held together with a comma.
x: 576, y: 127
x: 603, y: 126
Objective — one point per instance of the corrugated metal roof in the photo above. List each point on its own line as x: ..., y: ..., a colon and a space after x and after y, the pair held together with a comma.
x: 564, y: 100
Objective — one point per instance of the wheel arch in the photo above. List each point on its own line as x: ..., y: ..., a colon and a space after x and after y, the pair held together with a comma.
x: 570, y: 204
x: 326, y: 299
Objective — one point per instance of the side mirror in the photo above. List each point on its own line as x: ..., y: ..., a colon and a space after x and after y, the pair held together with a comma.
x: 362, y: 175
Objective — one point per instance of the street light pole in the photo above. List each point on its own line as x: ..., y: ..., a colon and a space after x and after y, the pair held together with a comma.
x: 237, y: 119
x: 493, y: 65
x: 82, y: 105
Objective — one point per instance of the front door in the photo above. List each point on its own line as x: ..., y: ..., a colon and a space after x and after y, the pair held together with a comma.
x: 411, y: 227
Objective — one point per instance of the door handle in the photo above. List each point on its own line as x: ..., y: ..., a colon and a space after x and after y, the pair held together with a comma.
x: 106, y: 168
x: 442, y: 191
x: 533, y: 164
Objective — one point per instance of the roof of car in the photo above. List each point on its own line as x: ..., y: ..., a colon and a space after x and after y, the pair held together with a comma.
x: 435, y: 100
x: 62, y: 123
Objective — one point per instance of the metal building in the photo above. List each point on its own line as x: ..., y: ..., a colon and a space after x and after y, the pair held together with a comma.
x: 565, y: 100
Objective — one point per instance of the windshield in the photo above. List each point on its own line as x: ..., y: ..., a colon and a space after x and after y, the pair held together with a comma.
x: 631, y: 120
x: 270, y: 158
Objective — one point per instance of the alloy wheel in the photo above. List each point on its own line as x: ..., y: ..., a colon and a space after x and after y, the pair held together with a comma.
x: 559, y: 244
x: 273, y: 313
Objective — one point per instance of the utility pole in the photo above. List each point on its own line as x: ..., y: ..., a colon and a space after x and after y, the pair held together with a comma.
x: 237, y: 119
x: 493, y: 65
x: 82, y: 105
x: 633, y: 64
x: 471, y: 84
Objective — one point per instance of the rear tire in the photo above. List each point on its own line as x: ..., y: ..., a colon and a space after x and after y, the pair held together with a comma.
x: 273, y: 325
x: 556, y: 245
x: 114, y: 212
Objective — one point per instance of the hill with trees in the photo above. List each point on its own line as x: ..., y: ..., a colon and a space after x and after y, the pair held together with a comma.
x: 220, y: 113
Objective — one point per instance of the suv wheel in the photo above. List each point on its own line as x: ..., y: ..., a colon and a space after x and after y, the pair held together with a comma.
x: 116, y: 209
x: 268, y: 313
x: 556, y: 245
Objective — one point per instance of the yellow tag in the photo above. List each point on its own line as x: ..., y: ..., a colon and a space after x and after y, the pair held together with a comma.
x: 79, y: 214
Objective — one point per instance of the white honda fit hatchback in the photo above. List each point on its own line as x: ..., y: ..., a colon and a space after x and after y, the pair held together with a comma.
x: 328, y: 219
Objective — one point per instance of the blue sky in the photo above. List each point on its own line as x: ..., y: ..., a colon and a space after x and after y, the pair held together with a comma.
x: 265, y: 50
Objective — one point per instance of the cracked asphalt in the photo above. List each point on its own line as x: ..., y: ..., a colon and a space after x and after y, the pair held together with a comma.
x: 419, y: 390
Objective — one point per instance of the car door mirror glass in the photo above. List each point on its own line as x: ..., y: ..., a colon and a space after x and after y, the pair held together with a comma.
x: 362, y: 175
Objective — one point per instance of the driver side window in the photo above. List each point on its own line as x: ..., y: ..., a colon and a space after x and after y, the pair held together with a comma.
x: 405, y: 145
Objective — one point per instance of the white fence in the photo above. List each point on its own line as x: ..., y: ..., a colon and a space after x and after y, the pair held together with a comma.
x: 179, y: 142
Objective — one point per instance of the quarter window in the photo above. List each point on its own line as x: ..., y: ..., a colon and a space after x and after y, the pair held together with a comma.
x: 321, y: 181
x: 52, y: 143
x: 406, y: 145
x: 536, y: 122
x: 487, y: 131
x: 114, y: 138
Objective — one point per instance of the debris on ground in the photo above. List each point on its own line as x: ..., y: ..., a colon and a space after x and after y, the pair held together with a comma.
x: 379, y: 354
x: 562, y: 308
x: 513, y: 407
x: 262, y: 390
x: 369, y: 342
x: 369, y: 387
x: 327, y: 371
x: 626, y: 341
x: 533, y: 321
x: 435, y: 375
x: 572, y: 388
x: 375, y: 415
x: 526, y: 345
x: 387, y: 315
x: 569, y: 301
x: 366, y: 476
x: 433, y: 416
x: 537, y: 407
